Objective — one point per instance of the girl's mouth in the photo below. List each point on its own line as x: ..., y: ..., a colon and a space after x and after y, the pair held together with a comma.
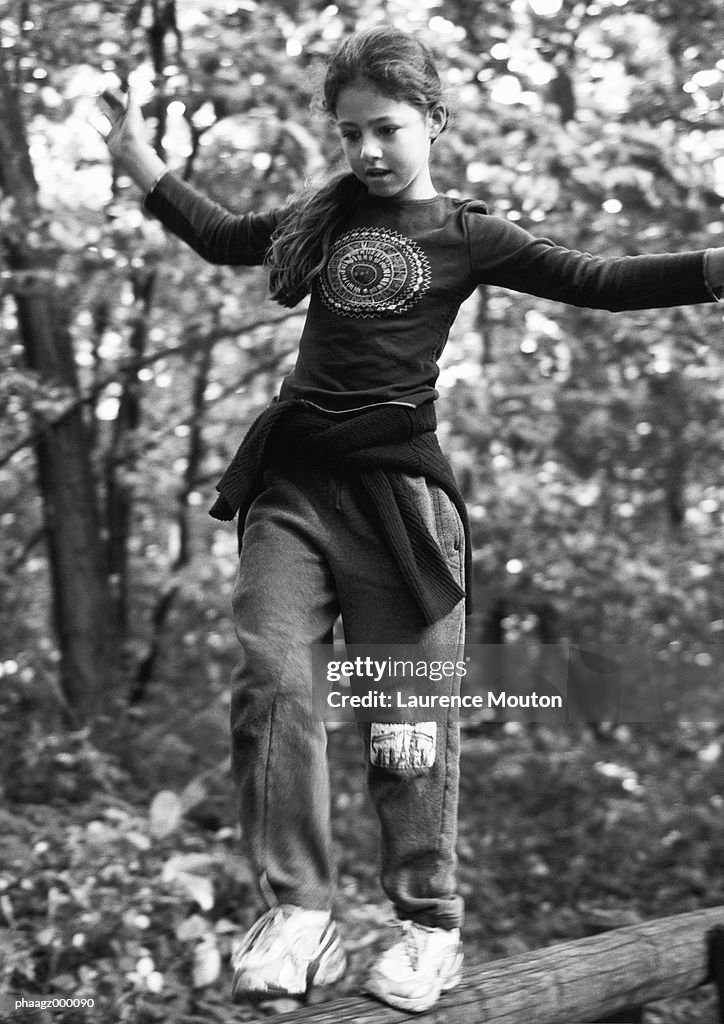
x: 376, y: 172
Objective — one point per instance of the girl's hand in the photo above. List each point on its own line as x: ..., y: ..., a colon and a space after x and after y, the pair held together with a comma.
x: 126, y: 139
x: 127, y: 134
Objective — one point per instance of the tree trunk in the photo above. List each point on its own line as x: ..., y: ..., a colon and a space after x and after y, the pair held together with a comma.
x: 122, y: 456
x: 79, y: 580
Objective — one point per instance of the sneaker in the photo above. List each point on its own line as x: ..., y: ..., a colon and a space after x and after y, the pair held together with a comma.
x: 287, y: 952
x: 417, y: 969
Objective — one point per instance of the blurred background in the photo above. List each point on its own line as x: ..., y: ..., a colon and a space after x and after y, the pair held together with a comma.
x: 588, y: 446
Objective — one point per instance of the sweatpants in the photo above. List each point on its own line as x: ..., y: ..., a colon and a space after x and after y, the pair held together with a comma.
x: 309, y: 553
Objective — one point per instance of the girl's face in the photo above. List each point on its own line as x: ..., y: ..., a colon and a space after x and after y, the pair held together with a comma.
x: 387, y: 142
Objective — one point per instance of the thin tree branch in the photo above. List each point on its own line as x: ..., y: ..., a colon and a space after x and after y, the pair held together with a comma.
x: 133, y: 365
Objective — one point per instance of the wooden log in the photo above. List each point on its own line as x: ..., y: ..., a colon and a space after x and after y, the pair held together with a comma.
x: 571, y: 983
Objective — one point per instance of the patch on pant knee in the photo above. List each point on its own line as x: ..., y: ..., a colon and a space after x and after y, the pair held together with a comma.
x: 403, y: 745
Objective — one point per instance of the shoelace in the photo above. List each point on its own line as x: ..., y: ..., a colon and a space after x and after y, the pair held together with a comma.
x: 412, y: 940
x: 258, y: 930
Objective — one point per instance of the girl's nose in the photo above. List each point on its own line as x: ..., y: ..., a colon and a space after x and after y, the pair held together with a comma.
x: 371, y: 149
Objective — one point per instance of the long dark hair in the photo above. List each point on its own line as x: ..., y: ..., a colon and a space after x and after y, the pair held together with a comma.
x: 399, y: 66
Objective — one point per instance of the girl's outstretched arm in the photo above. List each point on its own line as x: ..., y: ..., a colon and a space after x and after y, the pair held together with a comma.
x: 215, y: 233
x: 127, y: 140
x: 504, y: 254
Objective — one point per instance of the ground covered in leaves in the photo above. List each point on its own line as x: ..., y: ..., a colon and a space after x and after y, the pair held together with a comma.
x: 133, y: 898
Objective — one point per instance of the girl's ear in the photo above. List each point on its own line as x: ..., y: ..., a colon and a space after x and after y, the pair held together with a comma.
x: 437, y: 118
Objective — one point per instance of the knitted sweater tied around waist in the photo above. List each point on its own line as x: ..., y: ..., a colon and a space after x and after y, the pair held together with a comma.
x: 375, y: 449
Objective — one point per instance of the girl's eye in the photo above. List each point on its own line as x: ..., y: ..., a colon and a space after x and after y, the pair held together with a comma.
x: 350, y: 136
x: 388, y: 129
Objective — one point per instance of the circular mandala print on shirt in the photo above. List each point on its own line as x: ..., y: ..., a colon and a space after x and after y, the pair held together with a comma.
x: 372, y: 272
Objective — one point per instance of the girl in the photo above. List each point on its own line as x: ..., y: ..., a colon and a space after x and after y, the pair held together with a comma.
x: 346, y: 503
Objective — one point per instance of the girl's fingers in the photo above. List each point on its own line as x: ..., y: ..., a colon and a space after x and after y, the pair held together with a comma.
x: 124, y: 128
x: 113, y: 101
x: 114, y: 106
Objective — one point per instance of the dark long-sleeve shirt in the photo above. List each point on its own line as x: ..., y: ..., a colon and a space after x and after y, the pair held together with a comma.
x: 381, y: 311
